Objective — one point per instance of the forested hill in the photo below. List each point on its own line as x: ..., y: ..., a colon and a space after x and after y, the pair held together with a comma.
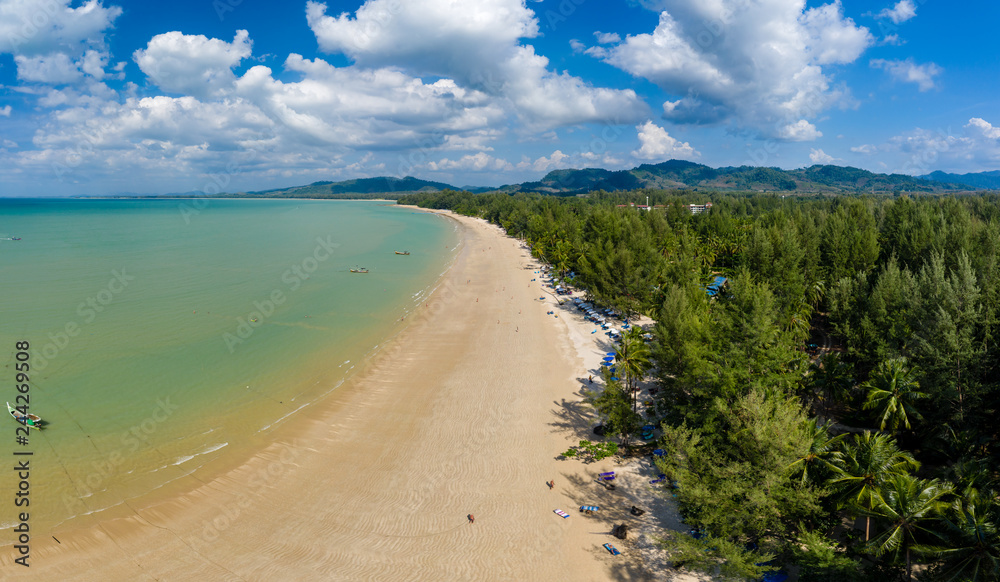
x: 675, y: 174
x: 670, y: 175
x: 360, y: 188
x: 980, y: 180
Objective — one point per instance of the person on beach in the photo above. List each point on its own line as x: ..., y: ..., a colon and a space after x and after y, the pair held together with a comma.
x: 472, y: 518
x: 551, y: 484
x: 591, y: 379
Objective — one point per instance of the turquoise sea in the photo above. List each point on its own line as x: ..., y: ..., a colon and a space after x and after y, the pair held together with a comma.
x: 171, y: 336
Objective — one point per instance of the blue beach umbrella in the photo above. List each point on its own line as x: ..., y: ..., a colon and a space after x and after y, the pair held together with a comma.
x: 608, y: 358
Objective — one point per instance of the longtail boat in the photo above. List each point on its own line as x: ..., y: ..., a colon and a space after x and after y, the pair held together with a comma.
x: 30, y: 420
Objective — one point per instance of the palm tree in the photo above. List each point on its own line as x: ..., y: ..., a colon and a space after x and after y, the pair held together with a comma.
x: 800, y: 320
x: 973, y: 541
x: 909, y: 505
x: 868, y: 461
x: 892, y: 389
x: 824, y: 455
x: 632, y: 360
x: 831, y: 378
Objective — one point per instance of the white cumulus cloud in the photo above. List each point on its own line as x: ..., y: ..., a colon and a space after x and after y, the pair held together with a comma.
x: 980, y: 127
x: 5, y: 111
x: 607, y: 37
x: 476, y: 44
x: 760, y: 65
x: 801, y: 130
x: 657, y: 144
x: 478, y: 162
x: 818, y: 156
x: 554, y: 161
x: 910, y: 72
x: 30, y: 27
x: 54, y: 43
x: 192, y: 64
x: 901, y: 12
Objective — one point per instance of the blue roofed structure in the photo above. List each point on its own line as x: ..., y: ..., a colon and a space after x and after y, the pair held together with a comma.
x: 717, y: 284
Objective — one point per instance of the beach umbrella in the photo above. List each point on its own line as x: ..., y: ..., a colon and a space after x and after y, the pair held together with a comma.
x: 608, y: 358
x: 612, y: 353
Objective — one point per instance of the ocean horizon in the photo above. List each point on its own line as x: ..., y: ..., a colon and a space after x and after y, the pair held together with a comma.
x: 170, y: 336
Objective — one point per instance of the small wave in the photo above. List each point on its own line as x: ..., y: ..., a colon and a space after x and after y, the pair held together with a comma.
x: 210, y: 449
x: 283, y: 417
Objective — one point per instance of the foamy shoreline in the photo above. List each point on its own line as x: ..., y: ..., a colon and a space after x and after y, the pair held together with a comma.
x: 465, y: 411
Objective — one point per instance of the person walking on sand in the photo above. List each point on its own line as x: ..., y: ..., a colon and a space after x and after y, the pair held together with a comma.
x: 551, y: 484
x: 472, y: 518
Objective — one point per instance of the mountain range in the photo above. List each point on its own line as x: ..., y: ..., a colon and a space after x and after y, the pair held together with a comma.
x: 673, y: 174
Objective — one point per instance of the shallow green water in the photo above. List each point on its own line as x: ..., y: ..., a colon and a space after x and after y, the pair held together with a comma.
x: 166, y: 334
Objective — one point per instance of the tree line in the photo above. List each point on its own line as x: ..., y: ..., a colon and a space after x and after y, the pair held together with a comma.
x: 848, y: 368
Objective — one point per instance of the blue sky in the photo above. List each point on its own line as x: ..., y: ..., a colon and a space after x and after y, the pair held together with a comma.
x: 104, y: 97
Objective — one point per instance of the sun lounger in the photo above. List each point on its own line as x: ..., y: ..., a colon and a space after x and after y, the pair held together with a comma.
x: 614, y: 551
x: 560, y: 513
x: 610, y: 475
x: 659, y: 479
x: 588, y: 508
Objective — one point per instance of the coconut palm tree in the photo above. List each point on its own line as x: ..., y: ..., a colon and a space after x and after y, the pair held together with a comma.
x: 972, y: 536
x: 911, y: 507
x: 892, y: 390
x: 823, y: 457
x: 632, y: 360
x: 869, y: 460
x: 831, y: 379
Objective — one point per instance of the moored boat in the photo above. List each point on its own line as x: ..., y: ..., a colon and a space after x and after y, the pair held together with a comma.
x: 359, y: 270
x: 402, y: 252
x: 30, y: 420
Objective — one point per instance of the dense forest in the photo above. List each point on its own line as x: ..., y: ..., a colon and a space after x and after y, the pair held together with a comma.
x: 846, y: 374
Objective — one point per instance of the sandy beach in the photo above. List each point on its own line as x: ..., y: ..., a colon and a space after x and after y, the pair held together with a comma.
x: 466, y: 411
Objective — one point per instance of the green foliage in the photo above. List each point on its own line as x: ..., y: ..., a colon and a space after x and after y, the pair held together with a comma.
x: 615, y: 404
x: 821, y: 560
x: 893, y: 391
x: 588, y: 451
x: 869, y: 461
x: 733, y: 478
x: 720, y: 557
x: 908, y: 507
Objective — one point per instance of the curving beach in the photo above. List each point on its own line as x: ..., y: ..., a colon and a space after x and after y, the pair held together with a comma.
x: 464, y: 412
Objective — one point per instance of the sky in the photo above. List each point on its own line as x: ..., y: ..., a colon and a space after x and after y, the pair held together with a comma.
x: 103, y: 97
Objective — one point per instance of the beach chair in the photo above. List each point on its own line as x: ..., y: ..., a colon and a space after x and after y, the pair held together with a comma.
x: 588, y: 509
x: 614, y: 551
x: 609, y: 476
x: 560, y: 513
x: 659, y: 453
x: 659, y: 479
